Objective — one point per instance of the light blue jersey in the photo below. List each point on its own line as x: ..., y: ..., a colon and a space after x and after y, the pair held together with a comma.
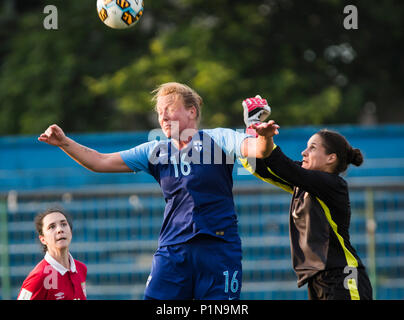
x: 196, y: 183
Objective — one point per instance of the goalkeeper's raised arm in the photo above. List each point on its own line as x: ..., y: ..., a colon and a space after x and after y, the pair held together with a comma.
x: 88, y: 158
x: 256, y: 110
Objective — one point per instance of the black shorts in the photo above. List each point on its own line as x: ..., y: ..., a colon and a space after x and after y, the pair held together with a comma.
x: 334, y: 284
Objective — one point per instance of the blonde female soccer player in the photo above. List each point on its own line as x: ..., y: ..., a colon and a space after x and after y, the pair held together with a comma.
x: 199, y: 250
x: 58, y: 276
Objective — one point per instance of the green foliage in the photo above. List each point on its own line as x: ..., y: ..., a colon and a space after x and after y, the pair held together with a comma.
x: 87, y: 77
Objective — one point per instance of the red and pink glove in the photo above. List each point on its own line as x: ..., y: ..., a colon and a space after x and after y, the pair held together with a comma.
x: 256, y: 110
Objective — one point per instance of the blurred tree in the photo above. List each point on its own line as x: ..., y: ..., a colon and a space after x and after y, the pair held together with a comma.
x: 42, y: 74
x: 297, y: 54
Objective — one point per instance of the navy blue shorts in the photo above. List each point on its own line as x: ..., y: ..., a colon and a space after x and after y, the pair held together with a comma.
x: 202, y: 268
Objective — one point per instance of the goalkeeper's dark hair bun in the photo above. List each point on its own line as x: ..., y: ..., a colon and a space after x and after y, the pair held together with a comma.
x: 335, y: 142
x: 355, y: 157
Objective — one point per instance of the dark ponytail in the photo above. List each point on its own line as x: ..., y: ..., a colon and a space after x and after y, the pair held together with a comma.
x: 355, y: 157
x: 335, y: 142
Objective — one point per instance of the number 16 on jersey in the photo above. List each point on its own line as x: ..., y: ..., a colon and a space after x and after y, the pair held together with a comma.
x: 184, y: 165
x: 233, y: 283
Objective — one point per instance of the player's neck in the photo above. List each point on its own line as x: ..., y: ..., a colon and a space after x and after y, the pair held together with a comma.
x: 179, y: 144
x: 61, y: 256
x: 185, y: 138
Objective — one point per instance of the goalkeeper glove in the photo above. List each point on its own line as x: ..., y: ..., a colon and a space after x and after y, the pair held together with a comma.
x: 256, y: 110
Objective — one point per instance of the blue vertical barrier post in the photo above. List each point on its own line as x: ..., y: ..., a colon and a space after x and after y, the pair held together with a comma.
x: 371, y: 245
x: 5, y: 262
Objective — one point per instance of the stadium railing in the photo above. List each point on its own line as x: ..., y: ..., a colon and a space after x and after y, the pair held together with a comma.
x: 116, y: 230
x: 117, y: 217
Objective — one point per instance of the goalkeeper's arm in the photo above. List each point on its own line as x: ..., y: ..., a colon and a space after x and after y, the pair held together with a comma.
x: 256, y: 110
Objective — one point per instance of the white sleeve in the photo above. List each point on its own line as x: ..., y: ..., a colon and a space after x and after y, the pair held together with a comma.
x: 24, y: 294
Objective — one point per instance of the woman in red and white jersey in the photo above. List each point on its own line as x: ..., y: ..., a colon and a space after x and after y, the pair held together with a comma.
x: 58, y: 276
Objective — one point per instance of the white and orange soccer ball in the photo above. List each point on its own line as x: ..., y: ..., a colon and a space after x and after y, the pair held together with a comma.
x: 120, y: 14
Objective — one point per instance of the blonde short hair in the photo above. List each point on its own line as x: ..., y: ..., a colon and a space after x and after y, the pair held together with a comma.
x: 189, y: 96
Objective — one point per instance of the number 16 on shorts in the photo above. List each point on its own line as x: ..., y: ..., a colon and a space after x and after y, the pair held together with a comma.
x: 232, y: 284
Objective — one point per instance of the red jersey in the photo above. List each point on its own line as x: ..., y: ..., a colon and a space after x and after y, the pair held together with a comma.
x: 49, y: 280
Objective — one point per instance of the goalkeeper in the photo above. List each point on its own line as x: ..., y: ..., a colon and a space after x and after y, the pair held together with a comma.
x: 320, y: 213
x: 199, y: 251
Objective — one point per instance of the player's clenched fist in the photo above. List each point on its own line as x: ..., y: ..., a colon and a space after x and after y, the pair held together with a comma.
x: 54, y: 135
x: 256, y: 110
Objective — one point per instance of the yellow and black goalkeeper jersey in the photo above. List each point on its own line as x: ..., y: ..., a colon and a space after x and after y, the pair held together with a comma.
x: 319, y: 214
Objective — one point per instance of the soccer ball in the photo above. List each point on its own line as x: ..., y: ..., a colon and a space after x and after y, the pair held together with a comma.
x: 120, y: 14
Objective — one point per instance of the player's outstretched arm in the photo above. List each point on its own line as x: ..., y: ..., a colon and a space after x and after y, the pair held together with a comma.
x: 88, y: 158
x: 262, y: 146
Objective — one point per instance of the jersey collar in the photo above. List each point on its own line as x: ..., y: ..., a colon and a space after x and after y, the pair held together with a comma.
x: 58, y: 267
x: 188, y: 146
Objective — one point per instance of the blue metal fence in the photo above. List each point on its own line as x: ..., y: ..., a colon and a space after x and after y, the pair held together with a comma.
x: 27, y: 164
x: 117, y: 217
x: 115, y: 234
